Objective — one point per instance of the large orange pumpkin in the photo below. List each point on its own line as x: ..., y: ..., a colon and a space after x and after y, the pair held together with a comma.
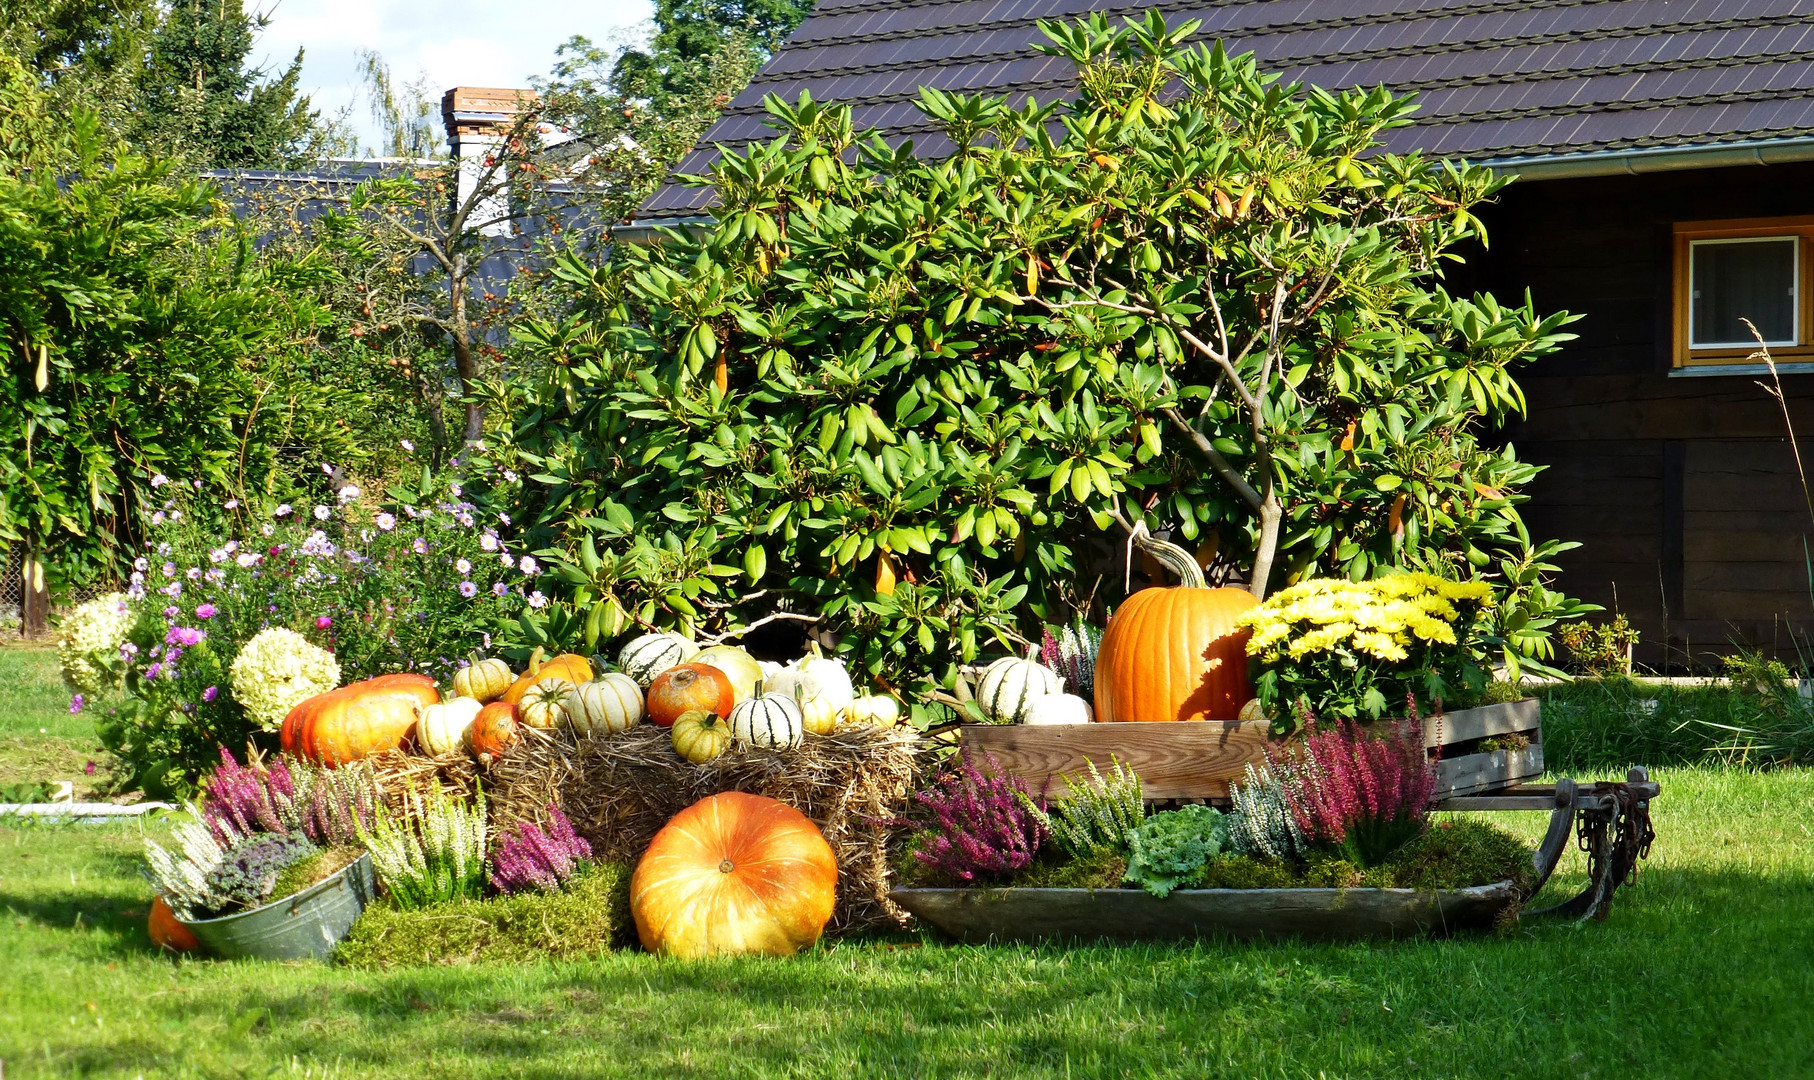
x: 493, y: 731
x: 1174, y: 654
x: 358, y: 719
x: 168, y: 934
x: 734, y: 873
x: 687, y: 687
x: 573, y: 667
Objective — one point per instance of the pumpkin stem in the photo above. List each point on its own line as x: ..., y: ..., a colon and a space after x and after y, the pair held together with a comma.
x: 535, y: 660
x: 1172, y: 557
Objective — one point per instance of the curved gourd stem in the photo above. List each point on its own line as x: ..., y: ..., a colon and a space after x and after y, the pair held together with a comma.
x: 1173, y: 558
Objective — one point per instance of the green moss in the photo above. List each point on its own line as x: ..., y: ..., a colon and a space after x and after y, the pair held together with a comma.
x: 1249, y: 872
x: 313, y: 870
x: 590, y: 916
x: 1457, y: 854
x: 1326, y: 871
x: 1095, y: 870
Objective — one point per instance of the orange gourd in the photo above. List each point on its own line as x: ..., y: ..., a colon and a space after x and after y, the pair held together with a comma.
x: 493, y: 731
x: 1174, y: 654
x: 687, y: 687
x: 572, y: 667
x: 358, y: 719
x: 166, y: 933
x: 734, y: 873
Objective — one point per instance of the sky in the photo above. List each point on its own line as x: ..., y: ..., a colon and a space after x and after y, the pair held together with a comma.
x: 454, y: 42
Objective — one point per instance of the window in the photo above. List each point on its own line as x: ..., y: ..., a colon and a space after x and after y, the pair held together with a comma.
x: 1728, y: 273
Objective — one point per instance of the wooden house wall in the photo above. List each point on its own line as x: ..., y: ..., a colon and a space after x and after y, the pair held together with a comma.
x: 1682, y: 490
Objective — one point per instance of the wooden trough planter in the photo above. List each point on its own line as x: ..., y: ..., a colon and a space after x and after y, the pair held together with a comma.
x: 1197, y: 759
x: 983, y: 915
x: 1484, y: 757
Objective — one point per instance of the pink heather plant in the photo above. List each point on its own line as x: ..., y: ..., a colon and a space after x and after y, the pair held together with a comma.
x: 1367, y: 791
x: 981, y: 824
x: 533, y: 859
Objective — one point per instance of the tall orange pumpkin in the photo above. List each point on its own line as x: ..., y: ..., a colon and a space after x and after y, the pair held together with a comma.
x: 734, y: 873
x: 573, y: 667
x: 1174, y: 654
x: 166, y: 933
x: 358, y: 719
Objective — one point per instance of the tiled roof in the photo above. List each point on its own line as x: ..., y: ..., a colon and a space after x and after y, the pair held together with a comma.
x: 1497, y: 79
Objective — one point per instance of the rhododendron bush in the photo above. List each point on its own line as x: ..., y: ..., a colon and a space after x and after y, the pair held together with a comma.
x: 223, y: 629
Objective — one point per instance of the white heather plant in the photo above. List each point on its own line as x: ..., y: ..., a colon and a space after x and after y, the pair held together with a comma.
x: 1261, y: 822
x: 431, y: 853
x: 278, y: 670
x: 1097, y: 816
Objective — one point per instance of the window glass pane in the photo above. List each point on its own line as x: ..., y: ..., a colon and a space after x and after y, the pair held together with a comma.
x: 1744, y: 279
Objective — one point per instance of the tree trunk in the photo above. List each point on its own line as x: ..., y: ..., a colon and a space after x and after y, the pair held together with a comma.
x: 464, y: 364
x: 34, y: 621
x: 1272, y: 517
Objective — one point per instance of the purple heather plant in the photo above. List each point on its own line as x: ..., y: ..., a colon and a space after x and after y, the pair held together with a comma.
x: 284, y: 796
x: 532, y: 859
x: 980, y: 824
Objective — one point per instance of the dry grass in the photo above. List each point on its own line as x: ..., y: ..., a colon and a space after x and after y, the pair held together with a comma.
x: 619, y: 790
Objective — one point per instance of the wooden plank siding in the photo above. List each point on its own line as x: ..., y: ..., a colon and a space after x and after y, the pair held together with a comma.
x: 1682, y: 490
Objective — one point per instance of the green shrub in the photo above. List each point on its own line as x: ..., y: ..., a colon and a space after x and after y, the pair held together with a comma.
x: 587, y: 918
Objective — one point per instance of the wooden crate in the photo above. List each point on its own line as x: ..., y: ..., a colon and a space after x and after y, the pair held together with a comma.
x: 1197, y: 759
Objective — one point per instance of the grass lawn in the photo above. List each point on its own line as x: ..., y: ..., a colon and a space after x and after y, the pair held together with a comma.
x: 39, y: 738
x: 1705, y: 969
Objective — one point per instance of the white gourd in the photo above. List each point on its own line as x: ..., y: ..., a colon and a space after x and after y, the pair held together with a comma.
x: 768, y: 720
x: 651, y: 654
x: 441, y: 728
x: 605, y: 706
x: 1059, y: 709
x: 821, y: 686
x: 878, y: 709
x: 1010, y: 684
x: 542, y: 706
x: 770, y: 669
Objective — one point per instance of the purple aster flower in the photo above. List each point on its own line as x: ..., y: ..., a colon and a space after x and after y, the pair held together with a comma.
x: 463, y: 566
x: 407, y: 445
x: 230, y: 504
x: 159, y: 480
x: 468, y: 589
x: 537, y: 600
x: 282, y: 510
x: 489, y: 541
x: 387, y: 521
x: 152, y: 671
x: 498, y: 588
x: 322, y: 622
x: 205, y: 611
x: 420, y: 547
x: 211, y: 693
x: 322, y: 513
x: 528, y: 567
x: 75, y: 704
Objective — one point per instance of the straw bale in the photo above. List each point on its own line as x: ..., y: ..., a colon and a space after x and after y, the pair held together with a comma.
x: 619, y: 790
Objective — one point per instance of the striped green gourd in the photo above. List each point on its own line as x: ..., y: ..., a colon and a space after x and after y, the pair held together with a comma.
x: 1009, y: 687
x: 651, y: 654
x: 768, y: 720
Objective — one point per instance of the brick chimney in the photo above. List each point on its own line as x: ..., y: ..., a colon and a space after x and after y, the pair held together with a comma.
x: 477, y: 119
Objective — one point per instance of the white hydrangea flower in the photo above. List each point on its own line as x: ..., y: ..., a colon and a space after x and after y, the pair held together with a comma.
x: 97, y: 627
x: 278, y: 670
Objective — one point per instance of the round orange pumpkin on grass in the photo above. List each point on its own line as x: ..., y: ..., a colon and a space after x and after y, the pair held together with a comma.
x: 734, y: 873
x: 688, y: 687
x: 359, y: 719
x: 1174, y: 654
x: 166, y: 932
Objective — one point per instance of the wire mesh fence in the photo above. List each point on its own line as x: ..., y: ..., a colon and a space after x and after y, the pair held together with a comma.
x: 12, y: 593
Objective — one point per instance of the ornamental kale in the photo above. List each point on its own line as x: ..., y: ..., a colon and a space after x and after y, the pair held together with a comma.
x: 533, y: 859
x: 245, y: 877
x: 981, y: 824
x: 1172, y: 848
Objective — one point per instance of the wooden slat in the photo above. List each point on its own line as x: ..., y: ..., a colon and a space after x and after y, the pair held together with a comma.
x: 1466, y: 725
x: 1185, y: 760
x: 1486, y: 772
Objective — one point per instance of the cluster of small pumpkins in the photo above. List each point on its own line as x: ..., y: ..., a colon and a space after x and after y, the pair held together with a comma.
x: 706, y: 697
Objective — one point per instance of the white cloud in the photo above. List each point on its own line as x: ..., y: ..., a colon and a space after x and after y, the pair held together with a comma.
x: 453, y: 42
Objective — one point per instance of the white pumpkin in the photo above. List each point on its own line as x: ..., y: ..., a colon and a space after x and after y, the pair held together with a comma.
x: 651, y: 654
x: 878, y: 709
x: 605, y: 706
x: 769, y: 720
x: 738, y: 666
x: 1059, y: 709
x: 821, y: 686
x: 544, y: 705
x: 484, y: 681
x: 1010, y: 684
x: 770, y: 669
x: 441, y: 728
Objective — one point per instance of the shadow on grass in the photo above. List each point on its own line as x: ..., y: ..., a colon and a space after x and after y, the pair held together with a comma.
x: 1724, y: 951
